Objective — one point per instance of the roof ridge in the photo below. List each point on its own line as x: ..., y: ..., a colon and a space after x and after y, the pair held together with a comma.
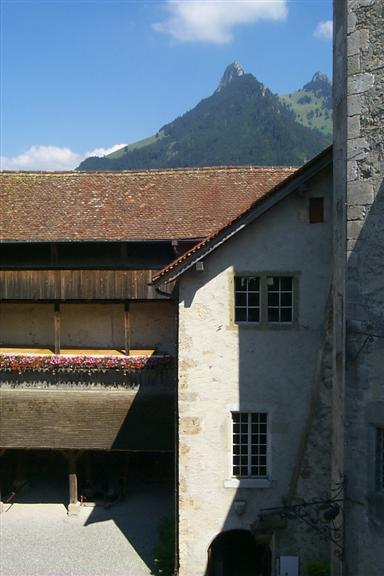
x: 245, y: 168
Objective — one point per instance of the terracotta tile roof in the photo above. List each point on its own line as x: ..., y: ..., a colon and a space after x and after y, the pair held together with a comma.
x: 180, y: 264
x: 131, y: 205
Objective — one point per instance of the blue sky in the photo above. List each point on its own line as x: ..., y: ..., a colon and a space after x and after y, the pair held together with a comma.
x: 79, y: 75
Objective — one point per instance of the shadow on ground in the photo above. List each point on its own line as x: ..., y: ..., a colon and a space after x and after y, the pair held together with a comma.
x: 38, y: 538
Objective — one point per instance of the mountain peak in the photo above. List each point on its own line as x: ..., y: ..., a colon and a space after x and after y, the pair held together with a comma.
x: 319, y: 81
x: 320, y: 77
x: 233, y: 71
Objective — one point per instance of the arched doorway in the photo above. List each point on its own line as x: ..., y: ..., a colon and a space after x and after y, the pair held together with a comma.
x: 236, y: 553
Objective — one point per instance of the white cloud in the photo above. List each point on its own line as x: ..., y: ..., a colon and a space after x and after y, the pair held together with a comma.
x: 103, y: 151
x: 51, y: 158
x: 324, y: 30
x: 213, y: 20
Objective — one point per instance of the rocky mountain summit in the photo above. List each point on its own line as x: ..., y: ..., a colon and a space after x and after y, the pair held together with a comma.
x: 231, y: 73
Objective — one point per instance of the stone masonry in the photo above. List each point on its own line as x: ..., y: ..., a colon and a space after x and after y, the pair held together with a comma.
x: 359, y: 139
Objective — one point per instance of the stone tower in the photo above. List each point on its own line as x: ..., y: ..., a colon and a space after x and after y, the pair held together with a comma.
x: 358, y: 392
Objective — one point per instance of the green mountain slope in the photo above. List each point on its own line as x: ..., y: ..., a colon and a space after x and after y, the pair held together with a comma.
x: 241, y: 123
x: 312, y: 104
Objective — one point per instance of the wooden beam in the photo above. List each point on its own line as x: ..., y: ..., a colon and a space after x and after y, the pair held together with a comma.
x: 127, y: 335
x: 72, y: 477
x: 57, y: 327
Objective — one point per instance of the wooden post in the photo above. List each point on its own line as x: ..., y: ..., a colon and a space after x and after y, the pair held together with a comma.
x: 127, y: 338
x: 57, y: 327
x: 73, y: 505
x: 72, y: 480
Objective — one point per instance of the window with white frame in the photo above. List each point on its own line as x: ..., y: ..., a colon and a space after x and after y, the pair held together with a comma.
x: 249, y: 444
x: 265, y: 299
x: 280, y: 299
x: 247, y: 299
x: 380, y: 459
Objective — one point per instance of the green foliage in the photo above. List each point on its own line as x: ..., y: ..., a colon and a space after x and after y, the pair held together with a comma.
x: 317, y: 569
x: 164, y: 552
x: 312, y: 104
x: 242, y: 124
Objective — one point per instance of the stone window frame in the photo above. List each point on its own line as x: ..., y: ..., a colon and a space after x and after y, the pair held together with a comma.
x: 263, y: 322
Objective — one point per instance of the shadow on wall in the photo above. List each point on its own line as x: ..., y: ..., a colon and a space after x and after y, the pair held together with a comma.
x: 364, y: 382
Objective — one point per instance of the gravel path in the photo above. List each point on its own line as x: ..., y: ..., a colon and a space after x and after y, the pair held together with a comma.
x: 41, y: 540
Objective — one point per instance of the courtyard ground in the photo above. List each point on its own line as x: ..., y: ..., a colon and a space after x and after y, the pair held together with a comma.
x: 38, y: 538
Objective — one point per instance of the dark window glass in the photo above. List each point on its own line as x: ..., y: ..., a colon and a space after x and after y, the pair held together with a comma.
x: 286, y: 283
x: 241, y: 299
x: 286, y: 299
x: 241, y: 314
x: 273, y: 299
x: 273, y: 314
x: 253, y: 315
x: 286, y: 315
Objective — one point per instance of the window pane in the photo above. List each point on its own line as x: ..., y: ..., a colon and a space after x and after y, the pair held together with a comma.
x: 286, y: 299
x: 247, y: 296
x: 241, y: 314
x: 273, y: 283
x: 240, y: 283
x: 280, y: 299
x: 273, y: 314
x: 286, y: 315
x: 253, y: 315
x: 273, y: 299
x: 241, y: 299
x: 253, y: 283
x: 286, y: 283
x: 253, y: 299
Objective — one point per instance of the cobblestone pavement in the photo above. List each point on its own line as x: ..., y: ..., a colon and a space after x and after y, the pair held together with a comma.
x: 42, y: 540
